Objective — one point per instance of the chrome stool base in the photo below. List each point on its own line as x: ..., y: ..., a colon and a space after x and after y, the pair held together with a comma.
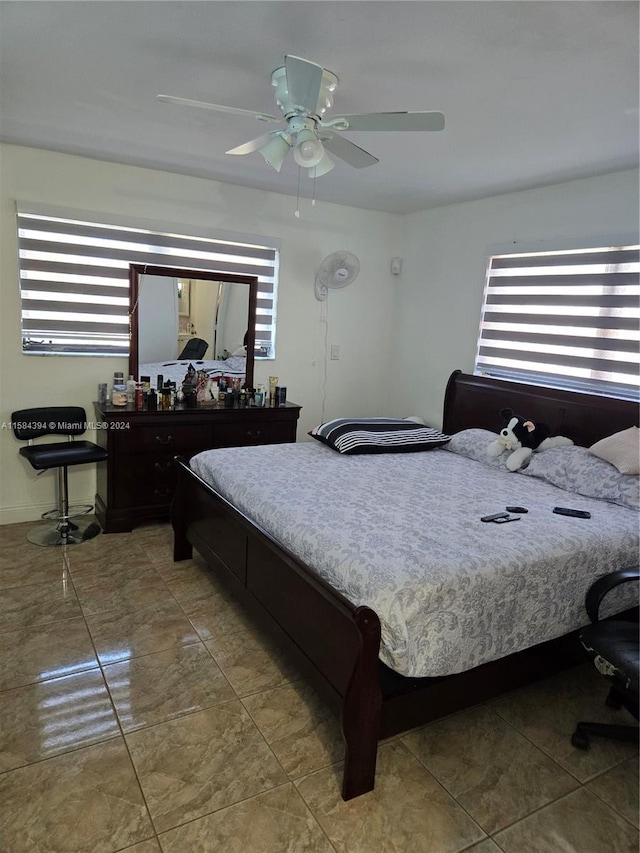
x: 71, y: 533
x: 72, y: 512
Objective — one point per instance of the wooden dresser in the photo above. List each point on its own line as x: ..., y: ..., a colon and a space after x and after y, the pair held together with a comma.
x: 137, y: 481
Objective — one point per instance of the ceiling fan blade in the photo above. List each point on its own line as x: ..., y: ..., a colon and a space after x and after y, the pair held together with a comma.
x: 348, y: 151
x: 304, y: 79
x: 254, y: 144
x: 389, y: 121
x: 219, y: 108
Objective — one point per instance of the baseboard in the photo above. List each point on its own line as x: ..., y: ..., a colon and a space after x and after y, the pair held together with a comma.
x: 33, y: 512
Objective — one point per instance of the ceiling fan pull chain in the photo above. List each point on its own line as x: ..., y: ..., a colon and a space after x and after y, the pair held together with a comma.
x: 297, y: 213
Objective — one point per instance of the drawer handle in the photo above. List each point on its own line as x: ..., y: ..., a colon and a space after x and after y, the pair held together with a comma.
x: 166, y: 440
x: 162, y: 493
x: 163, y: 466
x: 254, y: 433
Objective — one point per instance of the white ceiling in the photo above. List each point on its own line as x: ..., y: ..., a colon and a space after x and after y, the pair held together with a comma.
x: 533, y: 92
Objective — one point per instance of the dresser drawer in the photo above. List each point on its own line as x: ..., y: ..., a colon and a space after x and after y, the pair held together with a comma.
x: 171, y: 439
x: 146, y: 480
x: 138, y: 480
x: 260, y: 432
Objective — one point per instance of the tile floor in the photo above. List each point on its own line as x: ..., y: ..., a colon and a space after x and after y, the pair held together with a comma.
x: 141, y: 712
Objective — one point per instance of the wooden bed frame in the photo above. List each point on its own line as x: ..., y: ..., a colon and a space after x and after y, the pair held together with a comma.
x: 334, y: 643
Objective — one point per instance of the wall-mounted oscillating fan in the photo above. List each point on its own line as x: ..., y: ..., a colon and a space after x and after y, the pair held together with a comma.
x: 337, y: 270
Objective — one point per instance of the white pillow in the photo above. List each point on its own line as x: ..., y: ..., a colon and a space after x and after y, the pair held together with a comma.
x: 621, y: 449
x: 577, y: 470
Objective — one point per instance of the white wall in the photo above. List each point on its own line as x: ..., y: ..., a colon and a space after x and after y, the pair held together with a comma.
x: 445, y: 252
x: 359, y: 315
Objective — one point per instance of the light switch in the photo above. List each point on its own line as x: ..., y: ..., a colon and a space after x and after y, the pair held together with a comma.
x: 335, y: 352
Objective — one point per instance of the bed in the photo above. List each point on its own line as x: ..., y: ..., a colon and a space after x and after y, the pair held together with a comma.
x: 391, y: 638
x: 175, y: 371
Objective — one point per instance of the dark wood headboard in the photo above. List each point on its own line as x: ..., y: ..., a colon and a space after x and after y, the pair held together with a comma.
x: 476, y: 401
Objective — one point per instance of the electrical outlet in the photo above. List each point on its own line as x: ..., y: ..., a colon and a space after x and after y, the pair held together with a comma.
x: 335, y: 352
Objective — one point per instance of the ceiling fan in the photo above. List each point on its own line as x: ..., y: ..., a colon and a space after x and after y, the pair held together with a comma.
x: 304, y: 93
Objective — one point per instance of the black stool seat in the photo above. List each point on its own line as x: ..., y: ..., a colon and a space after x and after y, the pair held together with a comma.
x: 44, y: 456
x: 68, y: 421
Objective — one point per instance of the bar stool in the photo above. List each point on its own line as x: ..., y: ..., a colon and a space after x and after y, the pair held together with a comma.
x: 70, y: 421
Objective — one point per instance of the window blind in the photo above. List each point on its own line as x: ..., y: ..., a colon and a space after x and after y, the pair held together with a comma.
x: 74, y: 279
x: 567, y: 319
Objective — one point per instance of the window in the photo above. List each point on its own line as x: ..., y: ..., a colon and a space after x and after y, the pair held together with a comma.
x: 74, y: 278
x: 568, y: 319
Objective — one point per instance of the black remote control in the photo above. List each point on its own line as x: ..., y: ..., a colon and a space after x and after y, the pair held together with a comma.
x: 494, y: 516
x: 574, y: 513
x: 516, y: 509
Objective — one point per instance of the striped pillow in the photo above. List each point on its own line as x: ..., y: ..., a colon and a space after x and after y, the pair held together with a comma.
x: 377, y: 435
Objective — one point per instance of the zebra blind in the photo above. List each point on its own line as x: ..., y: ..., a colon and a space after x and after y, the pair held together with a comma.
x: 567, y: 319
x: 74, y: 280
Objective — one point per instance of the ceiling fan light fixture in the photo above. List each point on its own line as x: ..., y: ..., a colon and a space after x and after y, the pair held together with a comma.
x: 275, y: 151
x: 325, y: 165
x: 309, y: 151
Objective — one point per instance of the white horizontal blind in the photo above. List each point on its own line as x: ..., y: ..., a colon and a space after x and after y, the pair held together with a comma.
x: 74, y: 280
x: 566, y: 319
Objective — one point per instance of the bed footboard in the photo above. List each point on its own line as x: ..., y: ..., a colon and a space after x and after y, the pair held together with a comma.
x: 335, y: 644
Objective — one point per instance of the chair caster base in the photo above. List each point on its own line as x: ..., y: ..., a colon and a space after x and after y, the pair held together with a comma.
x: 580, y: 740
x: 584, y: 731
x: 72, y: 533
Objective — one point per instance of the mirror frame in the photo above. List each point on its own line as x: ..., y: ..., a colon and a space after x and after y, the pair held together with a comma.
x: 137, y: 270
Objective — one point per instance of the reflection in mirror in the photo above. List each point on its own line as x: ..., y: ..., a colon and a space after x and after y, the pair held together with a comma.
x: 183, y: 316
x: 230, y: 320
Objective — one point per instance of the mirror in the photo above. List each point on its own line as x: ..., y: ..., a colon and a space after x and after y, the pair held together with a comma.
x: 181, y: 316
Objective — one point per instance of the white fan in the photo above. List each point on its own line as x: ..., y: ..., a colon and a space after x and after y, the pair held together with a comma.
x: 337, y: 270
x: 304, y: 92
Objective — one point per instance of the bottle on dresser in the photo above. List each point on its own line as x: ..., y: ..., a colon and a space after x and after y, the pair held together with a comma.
x: 131, y: 389
x: 119, y: 390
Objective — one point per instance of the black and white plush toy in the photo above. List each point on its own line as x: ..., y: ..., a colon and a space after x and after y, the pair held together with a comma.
x: 522, y: 437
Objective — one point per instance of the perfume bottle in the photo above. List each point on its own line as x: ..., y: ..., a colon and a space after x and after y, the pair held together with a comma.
x: 131, y: 389
x: 273, y: 381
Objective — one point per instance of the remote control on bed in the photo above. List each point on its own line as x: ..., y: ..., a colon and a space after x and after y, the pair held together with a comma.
x: 494, y: 516
x: 574, y: 513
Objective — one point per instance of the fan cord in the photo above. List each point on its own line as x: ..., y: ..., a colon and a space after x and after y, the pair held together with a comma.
x: 324, y: 318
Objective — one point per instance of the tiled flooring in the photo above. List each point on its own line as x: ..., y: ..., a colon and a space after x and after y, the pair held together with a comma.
x: 140, y: 711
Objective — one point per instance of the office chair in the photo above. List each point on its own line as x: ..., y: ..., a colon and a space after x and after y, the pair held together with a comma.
x: 615, y: 650
x: 194, y: 349
x: 29, y: 424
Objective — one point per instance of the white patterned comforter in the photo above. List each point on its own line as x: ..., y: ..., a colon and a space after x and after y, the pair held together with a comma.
x: 175, y: 371
x: 402, y: 534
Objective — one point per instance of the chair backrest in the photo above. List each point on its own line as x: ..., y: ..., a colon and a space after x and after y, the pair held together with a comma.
x: 28, y: 424
x: 194, y: 348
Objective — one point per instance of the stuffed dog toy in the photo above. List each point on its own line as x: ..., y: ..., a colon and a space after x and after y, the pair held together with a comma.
x: 522, y: 437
